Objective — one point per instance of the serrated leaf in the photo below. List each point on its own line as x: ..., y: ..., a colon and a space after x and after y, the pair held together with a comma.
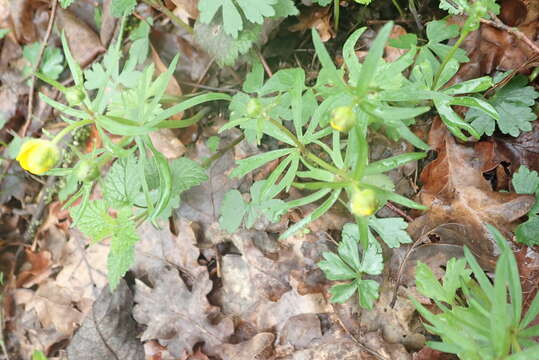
x: 122, y: 183
x: 224, y: 48
x: 513, y: 103
x: 372, y: 261
x: 120, y: 7
x: 122, y: 247
x: 528, y: 232
x: 391, y: 230
x: 254, y: 11
x: 525, y: 181
x: 96, y: 223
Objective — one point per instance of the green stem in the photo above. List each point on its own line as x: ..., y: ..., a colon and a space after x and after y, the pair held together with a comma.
x: 363, y: 224
x: 399, y: 9
x: 363, y: 151
x: 336, y: 14
x: 70, y: 128
x: 158, y: 5
x: 462, y: 37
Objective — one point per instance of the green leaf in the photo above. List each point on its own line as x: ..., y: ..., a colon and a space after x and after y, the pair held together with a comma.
x: 233, y: 209
x: 120, y: 8
x: 122, y: 248
x: 255, y: 78
x: 254, y: 11
x: 213, y: 143
x: 350, y: 57
x: 525, y: 181
x: 372, y: 261
x: 527, y: 354
x: 4, y: 32
x: 368, y: 293
x: 223, y: 47
x: 74, y: 67
x: 470, y: 86
x: 96, y: 222
x: 123, y: 181
x: 391, y: 230
x: 52, y: 61
x: 141, y: 43
x: 247, y: 165
x: 455, y: 274
x: 531, y: 314
x: 349, y: 252
x: 342, y: 292
x: 38, y: 355
x: 513, y: 102
x: 285, y: 8
x: 368, y: 69
x: 528, y: 232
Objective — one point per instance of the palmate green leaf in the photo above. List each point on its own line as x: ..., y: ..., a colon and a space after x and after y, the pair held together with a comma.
x: 122, y: 247
x: 525, y: 181
x: 391, y: 230
x: 528, y: 232
x: 224, y: 48
x: 513, y: 103
x: 232, y: 12
x: 52, y: 62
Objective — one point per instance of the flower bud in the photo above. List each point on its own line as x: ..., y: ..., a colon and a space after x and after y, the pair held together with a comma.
x: 363, y: 202
x: 343, y: 118
x: 74, y: 96
x: 38, y: 156
x: 254, y: 108
x: 86, y: 170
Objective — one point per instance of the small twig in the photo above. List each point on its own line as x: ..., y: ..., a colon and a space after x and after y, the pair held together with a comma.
x: 264, y: 63
x: 35, y: 68
x: 205, y: 87
x: 497, y: 23
x: 395, y: 209
x: 208, y: 162
x: 347, y: 331
x: 419, y: 241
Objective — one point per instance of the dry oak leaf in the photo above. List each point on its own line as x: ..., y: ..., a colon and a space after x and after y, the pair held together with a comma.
x: 178, y: 317
x: 461, y: 201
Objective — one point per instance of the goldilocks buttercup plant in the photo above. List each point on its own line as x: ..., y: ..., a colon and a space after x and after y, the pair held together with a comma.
x: 141, y: 183
x: 324, y: 128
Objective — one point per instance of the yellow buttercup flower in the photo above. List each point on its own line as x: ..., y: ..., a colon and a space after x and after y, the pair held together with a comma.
x: 363, y: 202
x: 38, y: 156
x: 343, y: 118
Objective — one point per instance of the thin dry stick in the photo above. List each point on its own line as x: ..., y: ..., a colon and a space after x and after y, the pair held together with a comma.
x: 265, y: 64
x: 26, y: 125
x: 497, y: 23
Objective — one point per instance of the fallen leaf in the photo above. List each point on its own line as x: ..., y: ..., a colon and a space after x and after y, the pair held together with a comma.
x: 83, y: 41
x: 40, y: 268
x: 108, y: 331
x: 317, y: 18
x: 179, y: 317
x: 259, y: 347
x: 460, y: 198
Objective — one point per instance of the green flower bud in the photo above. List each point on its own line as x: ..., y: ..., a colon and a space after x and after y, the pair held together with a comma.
x: 86, y: 170
x: 74, y: 96
x: 363, y: 202
x: 343, y: 118
x: 254, y: 108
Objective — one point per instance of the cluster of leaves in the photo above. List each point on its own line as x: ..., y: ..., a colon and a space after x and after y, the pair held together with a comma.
x: 141, y: 184
x: 527, y: 182
x: 227, y: 29
x: 346, y: 265
x: 494, y: 325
